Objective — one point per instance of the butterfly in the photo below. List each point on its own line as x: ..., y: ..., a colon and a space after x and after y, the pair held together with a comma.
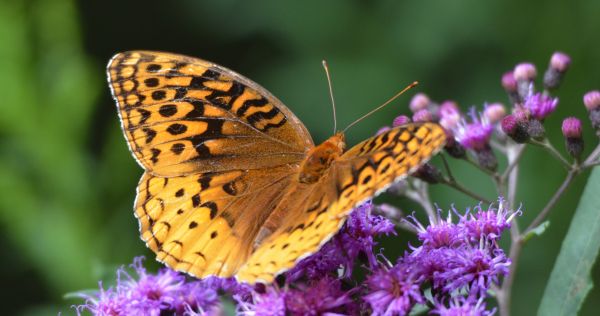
x: 233, y: 183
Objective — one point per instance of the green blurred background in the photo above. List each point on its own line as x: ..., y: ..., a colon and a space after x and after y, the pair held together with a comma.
x: 67, y: 180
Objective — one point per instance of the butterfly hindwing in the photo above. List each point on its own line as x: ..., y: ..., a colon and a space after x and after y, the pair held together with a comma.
x: 204, y: 224
x: 183, y: 115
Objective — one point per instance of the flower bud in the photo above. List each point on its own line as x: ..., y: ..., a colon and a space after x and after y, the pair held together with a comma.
x: 536, y: 129
x: 449, y: 115
x: 383, y: 130
x: 486, y: 158
x: 591, y: 100
x: 494, y: 112
x: 516, y: 127
x: 423, y: 115
x: 524, y: 74
x: 509, y: 83
x: 419, y: 102
x: 559, y: 64
x: 571, y: 129
x: 400, y: 120
x: 453, y: 147
x: 428, y: 173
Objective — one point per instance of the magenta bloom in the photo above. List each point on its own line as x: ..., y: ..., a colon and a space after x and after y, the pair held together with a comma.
x: 461, y: 306
x: 487, y: 224
x: 355, y: 237
x: 472, y: 268
x: 393, y: 291
x: 475, y: 134
x: 270, y: 303
x: 539, y: 105
x: 322, y: 297
x: 165, y: 292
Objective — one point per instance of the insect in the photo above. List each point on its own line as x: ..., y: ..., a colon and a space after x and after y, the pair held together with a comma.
x: 233, y: 184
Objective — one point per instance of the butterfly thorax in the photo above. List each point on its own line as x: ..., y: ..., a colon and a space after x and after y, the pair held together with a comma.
x: 319, y: 158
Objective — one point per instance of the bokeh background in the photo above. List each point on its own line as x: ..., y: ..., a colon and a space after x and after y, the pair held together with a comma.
x: 67, y: 180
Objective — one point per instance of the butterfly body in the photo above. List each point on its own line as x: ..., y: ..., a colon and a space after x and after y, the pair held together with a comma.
x: 233, y: 184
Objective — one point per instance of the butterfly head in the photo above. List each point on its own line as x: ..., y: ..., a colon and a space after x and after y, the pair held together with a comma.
x: 319, y: 158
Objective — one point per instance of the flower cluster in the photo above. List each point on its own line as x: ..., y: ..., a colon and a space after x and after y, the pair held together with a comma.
x: 452, y: 259
x: 457, y: 261
x: 166, y: 292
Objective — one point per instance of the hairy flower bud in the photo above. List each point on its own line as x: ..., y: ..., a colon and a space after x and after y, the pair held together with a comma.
x: 486, y: 158
x: 516, y: 128
x: 400, y: 120
x: 423, y: 115
x: 536, y: 129
x: 494, y: 112
x: 524, y: 74
x: 559, y: 64
x: 419, y: 102
x: 591, y: 100
x: 428, y: 173
x: 571, y: 129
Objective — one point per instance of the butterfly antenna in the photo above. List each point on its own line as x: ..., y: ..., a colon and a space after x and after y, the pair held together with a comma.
x: 330, y: 95
x: 410, y: 86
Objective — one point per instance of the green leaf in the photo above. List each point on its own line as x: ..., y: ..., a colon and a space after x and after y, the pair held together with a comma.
x: 570, y: 280
x: 537, y: 231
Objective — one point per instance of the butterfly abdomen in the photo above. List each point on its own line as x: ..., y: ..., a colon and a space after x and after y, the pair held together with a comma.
x: 319, y: 158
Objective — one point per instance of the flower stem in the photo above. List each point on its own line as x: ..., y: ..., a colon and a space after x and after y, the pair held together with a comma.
x: 513, y: 154
x: 544, y: 213
x: 552, y: 150
x: 451, y: 182
x: 459, y: 187
x: 592, y: 159
x: 519, y: 153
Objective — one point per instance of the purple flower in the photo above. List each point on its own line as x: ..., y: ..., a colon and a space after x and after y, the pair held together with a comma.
x: 149, y: 294
x: 105, y: 302
x: 473, y: 268
x: 321, y: 297
x: 449, y: 115
x: 355, y: 237
x: 461, y: 306
x: 393, y: 291
x: 487, y: 224
x: 269, y: 303
x: 539, y: 105
x: 439, y: 233
x: 476, y: 134
x: 154, y: 294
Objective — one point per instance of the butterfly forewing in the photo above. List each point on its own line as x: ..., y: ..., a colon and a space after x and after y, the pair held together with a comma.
x: 360, y: 174
x: 183, y: 115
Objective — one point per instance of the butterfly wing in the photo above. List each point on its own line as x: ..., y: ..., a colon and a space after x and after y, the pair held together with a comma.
x: 205, y: 224
x: 319, y: 210
x: 183, y: 115
x: 218, y: 149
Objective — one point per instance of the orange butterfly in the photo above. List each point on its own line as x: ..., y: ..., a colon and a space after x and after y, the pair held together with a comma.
x: 234, y: 185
